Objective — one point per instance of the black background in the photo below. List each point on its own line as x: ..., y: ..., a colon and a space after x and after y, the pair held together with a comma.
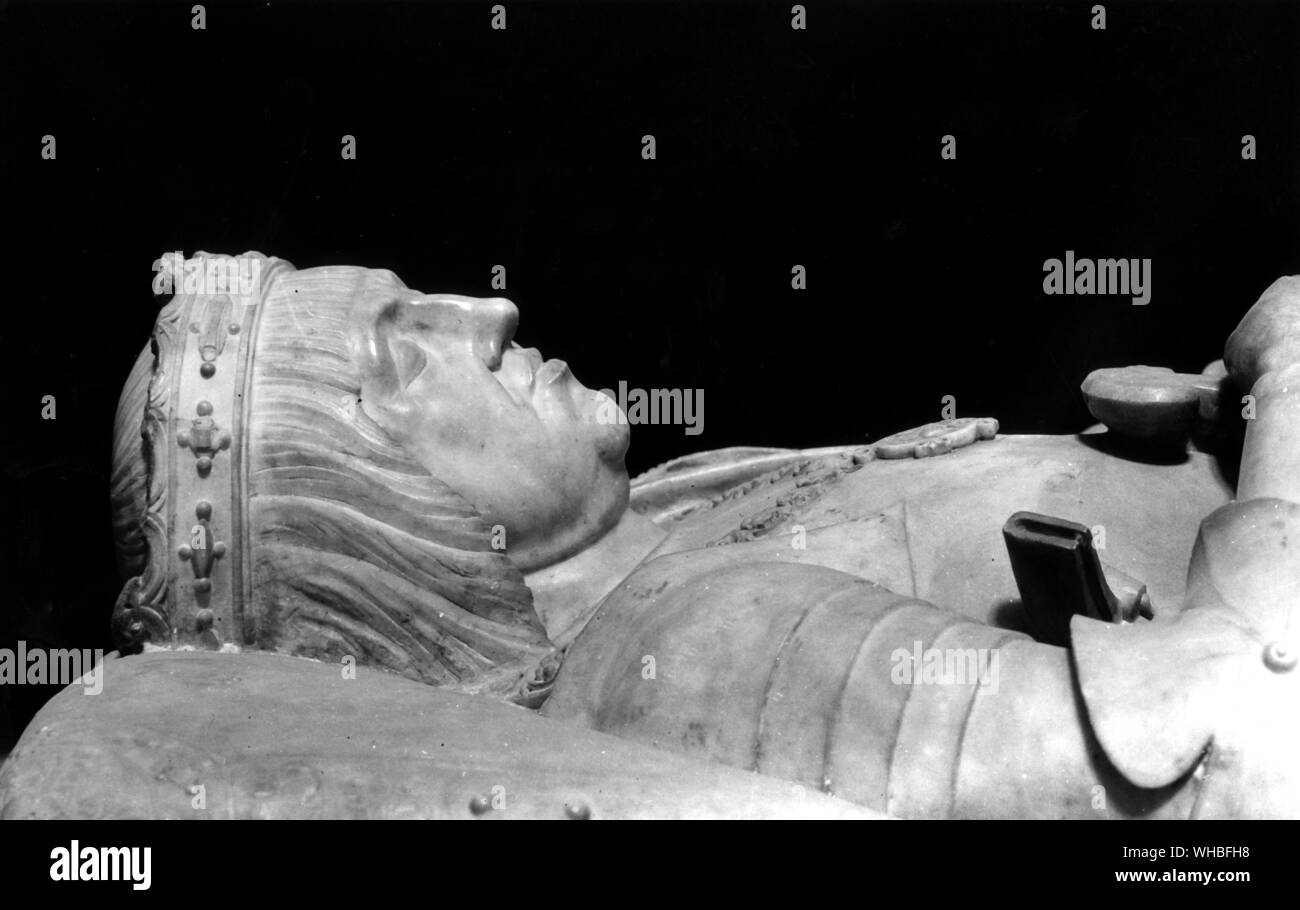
x: 775, y: 147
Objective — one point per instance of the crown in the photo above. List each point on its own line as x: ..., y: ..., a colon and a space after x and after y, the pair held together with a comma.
x: 195, y: 587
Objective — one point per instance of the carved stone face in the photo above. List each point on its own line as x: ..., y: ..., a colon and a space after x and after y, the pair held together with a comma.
x: 516, y: 435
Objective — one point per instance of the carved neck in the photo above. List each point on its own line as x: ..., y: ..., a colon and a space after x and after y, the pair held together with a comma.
x: 565, y: 595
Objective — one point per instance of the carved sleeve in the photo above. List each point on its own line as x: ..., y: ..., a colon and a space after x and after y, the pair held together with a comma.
x: 814, y: 676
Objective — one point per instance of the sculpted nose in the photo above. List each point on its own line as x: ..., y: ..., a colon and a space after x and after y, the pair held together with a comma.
x: 487, y: 323
x: 495, y: 320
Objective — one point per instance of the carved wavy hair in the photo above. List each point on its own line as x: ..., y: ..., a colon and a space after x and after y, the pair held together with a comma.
x: 356, y: 549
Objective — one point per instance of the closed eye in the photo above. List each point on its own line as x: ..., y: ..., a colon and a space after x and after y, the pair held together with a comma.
x: 409, y: 359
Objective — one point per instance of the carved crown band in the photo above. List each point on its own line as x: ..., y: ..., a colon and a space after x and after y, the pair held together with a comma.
x: 196, y: 587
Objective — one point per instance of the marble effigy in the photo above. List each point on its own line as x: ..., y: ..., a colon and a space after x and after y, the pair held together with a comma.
x: 948, y: 622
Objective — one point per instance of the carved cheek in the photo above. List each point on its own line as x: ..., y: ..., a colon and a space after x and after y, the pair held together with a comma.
x: 456, y: 420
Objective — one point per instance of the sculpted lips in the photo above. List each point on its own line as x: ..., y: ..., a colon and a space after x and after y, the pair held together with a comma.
x: 549, y: 372
x: 554, y: 386
x: 525, y: 375
x: 532, y: 357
